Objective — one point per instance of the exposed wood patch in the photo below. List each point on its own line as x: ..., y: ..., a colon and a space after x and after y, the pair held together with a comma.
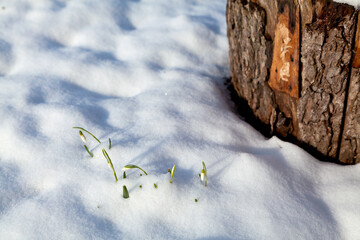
x: 284, y: 72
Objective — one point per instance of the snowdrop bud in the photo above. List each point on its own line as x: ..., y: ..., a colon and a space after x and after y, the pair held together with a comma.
x: 202, y: 176
x: 125, y: 168
x: 83, y: 138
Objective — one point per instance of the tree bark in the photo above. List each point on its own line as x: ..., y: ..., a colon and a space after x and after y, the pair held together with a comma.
x: 293, y: 62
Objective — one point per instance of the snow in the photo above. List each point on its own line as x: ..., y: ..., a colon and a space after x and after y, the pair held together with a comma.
x: 149, y: 75
x: 355, y: 3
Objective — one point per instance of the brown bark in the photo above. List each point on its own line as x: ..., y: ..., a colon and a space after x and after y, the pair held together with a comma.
x: 326, y: 54
x: 291, y: 60
x: 249, y: 51
x: 350, y: 142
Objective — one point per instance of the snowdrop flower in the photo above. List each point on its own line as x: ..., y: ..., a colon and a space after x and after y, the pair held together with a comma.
x: 125, y: 168
x: 80, y: 128
x: 82, y: 136
x: 202, y: 176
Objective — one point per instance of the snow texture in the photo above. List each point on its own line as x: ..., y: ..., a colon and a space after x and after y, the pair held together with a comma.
x: 149, y: 75
x: 355, y: 3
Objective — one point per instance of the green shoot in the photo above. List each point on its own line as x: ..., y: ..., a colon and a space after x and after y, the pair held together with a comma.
x: 196, y: 200
x: 204, y: 174
x: 109, y: 143
x: 90, y: 153
x: 169, y: 170
x: 125, y: 192
x: 87, y: 132
x: 140, y: 186
x: 124, y: 175
x: 155, y: 186
x: 109, y: 162
x: 172, y: 173
x: 130, y: 166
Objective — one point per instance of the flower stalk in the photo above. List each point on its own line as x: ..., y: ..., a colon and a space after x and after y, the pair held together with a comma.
x: 90, y: 153
x: 109, y: 163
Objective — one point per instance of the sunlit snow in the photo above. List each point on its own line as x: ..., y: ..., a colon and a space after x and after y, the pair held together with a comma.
x: 149, y: 74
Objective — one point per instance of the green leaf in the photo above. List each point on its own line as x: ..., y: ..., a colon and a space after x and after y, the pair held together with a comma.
x: 129, y: 166
x: 125, y: 192
x: 172, y: 173
x: 109, y: 143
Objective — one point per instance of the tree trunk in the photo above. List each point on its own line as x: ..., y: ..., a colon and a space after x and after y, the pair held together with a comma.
x: 296, y: 63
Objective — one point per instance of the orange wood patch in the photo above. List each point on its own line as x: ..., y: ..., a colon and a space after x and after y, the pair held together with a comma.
x: 284, y: 71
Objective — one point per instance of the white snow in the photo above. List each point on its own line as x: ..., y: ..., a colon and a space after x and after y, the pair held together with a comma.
x: 149, y: 75
x: 355, y: 3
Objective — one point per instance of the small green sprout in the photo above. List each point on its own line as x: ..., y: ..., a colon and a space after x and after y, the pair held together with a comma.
x: 196, y: 200
x: 109, y: 143
x: 125, y: 192
x: 169, y: 170
x: 109, y: 162
x: 140, y: 186
x: 204, y: 174
x: 140, y: 174
x: 172, y: 173
x: 90, y: 153
x: 130, y: 166
x: 155, y: 186
x: 124, y: 175
x: 87, y: 132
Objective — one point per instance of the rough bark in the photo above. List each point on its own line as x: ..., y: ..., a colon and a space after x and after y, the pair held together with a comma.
x: 326, y: 54
x: 350, y: 142
x: 291, y: 61
x: 249, y: 51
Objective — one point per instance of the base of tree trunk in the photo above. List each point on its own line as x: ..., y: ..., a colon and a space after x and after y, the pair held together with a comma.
x: 296, y: 64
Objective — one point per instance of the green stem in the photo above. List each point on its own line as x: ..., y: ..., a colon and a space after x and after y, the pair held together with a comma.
x: 90, y: 153
x: 88, y: 133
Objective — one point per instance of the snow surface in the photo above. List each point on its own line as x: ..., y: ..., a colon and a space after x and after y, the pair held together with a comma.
x: 355, y: 3
x: 149, y: 75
